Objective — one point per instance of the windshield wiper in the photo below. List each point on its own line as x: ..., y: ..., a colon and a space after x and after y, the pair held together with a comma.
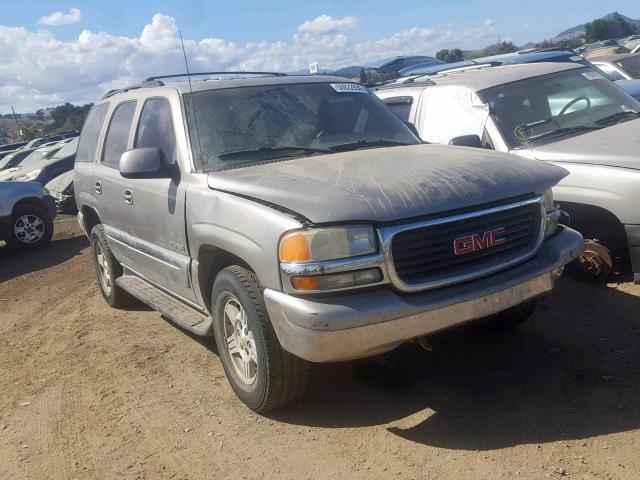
x: 617, y: 117
x: 564, y: 131
x: 241, y: 153
x: 368, y: 143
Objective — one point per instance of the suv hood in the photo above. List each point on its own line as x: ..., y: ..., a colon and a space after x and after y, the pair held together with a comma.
x: 387, y: 184
x: 614, y: 146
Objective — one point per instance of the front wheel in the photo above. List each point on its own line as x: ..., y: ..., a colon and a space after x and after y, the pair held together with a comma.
x: 262, y: 374
x: 31, y: 228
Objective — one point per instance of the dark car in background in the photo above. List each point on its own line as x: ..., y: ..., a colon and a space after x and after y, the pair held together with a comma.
x: 50, y: 166
x: 33, y: 156
x: 14, y: 158
x: 11, y: 146
x: 395, y: 64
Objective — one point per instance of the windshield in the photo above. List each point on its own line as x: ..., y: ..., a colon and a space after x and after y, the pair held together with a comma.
x: 247, y: 125
x: 631, y: 65
x: 562, y: 104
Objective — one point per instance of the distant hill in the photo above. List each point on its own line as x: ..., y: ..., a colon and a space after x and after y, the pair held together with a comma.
x: 578, y: 30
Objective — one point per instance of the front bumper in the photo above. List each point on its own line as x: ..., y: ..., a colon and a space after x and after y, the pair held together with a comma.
x: 363, y: 324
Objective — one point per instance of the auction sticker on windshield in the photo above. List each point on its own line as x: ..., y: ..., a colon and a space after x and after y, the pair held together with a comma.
x: 349, y: 88
x: 592, y: 76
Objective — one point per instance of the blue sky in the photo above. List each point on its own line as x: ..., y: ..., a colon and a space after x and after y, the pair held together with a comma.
x: 57, y: 51
x: 270, y: 20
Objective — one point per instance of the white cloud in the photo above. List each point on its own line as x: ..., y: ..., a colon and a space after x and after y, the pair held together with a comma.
x: 59, y: 18
x: 325, y: 24
x: 37, y: 69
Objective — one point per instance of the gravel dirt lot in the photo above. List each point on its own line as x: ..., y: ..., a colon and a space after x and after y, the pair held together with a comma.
x: 94, y: 393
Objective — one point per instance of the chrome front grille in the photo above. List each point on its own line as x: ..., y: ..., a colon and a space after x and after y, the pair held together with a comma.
x: 423, y: 255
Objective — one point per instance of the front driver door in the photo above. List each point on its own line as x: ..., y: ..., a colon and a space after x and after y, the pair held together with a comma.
x: 154, y: 207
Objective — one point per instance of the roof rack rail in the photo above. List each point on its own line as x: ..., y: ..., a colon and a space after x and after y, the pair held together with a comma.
x: 271, y: 74
x: 145, y: 84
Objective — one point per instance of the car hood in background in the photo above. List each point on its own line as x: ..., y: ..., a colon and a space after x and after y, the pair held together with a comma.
x: 61, y: 182
x: 387, y: 184
x: 614, y: 146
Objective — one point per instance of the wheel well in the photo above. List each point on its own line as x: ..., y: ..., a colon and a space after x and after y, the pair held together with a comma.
x: 90, y: 219
x: 211, y: 260
x: 597, y: 223
x: 36, y: 202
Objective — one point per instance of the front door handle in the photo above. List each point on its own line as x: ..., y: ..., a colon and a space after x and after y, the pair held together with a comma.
x: 128, y: 197
x: 98, y: 187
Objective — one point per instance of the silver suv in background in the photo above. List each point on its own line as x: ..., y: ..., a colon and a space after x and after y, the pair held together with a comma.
x: 562, y: 113
x: 27, y: 212
x: 297, y: 220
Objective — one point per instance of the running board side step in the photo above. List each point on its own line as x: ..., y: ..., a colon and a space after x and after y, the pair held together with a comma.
x: 169, y: 307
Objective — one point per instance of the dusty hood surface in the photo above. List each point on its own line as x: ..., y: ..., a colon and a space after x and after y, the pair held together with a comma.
x: 61, y: 182
x: 614, y: 146
x: 386, y: 184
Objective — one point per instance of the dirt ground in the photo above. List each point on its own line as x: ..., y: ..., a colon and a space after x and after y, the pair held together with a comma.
x: 88, y: 392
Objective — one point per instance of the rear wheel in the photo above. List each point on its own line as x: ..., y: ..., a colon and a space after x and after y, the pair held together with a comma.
x: 31, y: 228
x: 262, y: 374
x: 107, y: 269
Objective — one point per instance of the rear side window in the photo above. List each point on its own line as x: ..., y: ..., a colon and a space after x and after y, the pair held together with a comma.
x: 115, y: 143
x: 88, y: 142
x: 155, y: 129
x: 401, y: 106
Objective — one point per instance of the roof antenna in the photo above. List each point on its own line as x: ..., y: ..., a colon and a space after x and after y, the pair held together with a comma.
x: 193, y: 108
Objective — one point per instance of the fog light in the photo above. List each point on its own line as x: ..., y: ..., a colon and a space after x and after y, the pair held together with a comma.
x: 337, y: 281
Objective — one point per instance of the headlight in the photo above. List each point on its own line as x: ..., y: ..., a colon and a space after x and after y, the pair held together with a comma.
x: 27, y: 177
x: 331, y: 243
x: 548, y: 201
x: 553, y: 214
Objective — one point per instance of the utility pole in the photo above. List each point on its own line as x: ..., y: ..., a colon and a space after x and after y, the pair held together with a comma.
x: 15, y: 117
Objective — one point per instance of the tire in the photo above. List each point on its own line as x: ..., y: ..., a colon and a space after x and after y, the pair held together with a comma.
x: 510, y: 318
x: 107, y: 269
x: 262, y: 374
x: 31, y: 228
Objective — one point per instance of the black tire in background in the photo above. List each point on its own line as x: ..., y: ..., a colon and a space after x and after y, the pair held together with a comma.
x: 280, y: 377
x: 107, y: 269
x: 27, y: 223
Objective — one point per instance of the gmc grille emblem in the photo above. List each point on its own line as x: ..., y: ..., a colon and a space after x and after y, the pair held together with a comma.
x: 477, y: 241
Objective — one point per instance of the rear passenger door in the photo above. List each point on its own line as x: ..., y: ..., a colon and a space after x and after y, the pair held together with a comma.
x: 151, y: 210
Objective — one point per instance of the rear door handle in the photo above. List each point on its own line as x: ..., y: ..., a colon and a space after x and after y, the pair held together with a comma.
x: 128, y: 197
x: 98, y: 187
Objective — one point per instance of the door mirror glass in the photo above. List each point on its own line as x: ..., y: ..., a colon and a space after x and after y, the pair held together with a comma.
x: 143, y: 163
x: 466, y: 141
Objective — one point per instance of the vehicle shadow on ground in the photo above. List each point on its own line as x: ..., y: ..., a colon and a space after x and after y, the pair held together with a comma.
x: 571, y: 373
x: 14, y: 264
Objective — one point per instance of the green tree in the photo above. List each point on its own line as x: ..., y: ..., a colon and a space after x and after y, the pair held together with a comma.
x: 442, y: 54
x: 507, y: 46
x: 68, y: 117
x: 613, y: 27
x: 30, y: 130
x: 449, y: 56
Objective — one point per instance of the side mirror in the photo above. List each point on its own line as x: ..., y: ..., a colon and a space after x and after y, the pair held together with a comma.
x: 466, y: 141
x: 142, y: 163
x: 413, y: 128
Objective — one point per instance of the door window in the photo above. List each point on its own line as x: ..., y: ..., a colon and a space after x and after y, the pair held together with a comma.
x: 117, y: 138
x: 88, y: 143
x: 155, y: 128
